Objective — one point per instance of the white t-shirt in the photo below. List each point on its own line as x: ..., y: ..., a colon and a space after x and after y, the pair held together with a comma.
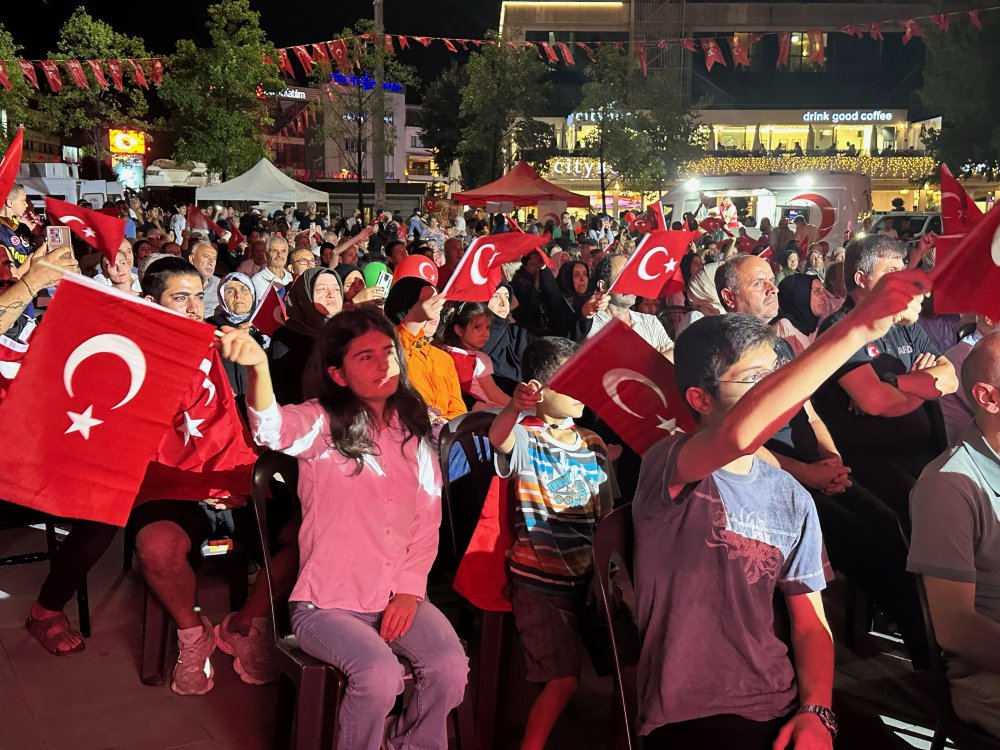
x: 263, y: 279
x: 647, y: 326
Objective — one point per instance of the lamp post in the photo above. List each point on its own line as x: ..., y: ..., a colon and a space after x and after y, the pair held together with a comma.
x: 378, y: 123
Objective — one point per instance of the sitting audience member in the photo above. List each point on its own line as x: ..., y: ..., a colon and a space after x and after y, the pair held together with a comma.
x: 802, y: 303
x: 717, y: 526
x: 466, y: 332
x: 314, y: 298
x: 563, y: 483
x: 957, y: 409
x: 881, y: 404
x: 371, y: 501
x: 507, y: 340
x: 120, y: 274
x: 415, y: 309
x: 204, y: 257
x: 276, y: 272
x: 236, y: 307
x: 257, y: 260
x: 569, y: 304
x: 619, y: 306
x: 955, y: 544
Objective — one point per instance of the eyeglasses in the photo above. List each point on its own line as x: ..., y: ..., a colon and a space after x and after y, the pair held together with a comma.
x: 755, y: 378
x: 304, y: 262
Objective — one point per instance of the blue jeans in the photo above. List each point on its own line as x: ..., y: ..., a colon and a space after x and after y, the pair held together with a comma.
x: 350, y: 642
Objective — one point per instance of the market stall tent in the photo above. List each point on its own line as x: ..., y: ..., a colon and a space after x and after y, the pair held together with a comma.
x: 521, y: 186
x: 262, y: 183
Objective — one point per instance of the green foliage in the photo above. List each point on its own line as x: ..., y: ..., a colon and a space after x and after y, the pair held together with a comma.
x: 506, y: 88
x: 212, y: 91
x: 14, y: 101
x: 88, y: 112
x: 440, y: 123
x: 963, y: 66
x: 643, y: 131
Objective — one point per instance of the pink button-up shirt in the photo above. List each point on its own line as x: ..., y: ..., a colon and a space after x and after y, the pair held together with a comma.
x: 363, y: 537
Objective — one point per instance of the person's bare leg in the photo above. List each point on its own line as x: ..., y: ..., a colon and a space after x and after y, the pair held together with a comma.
x: 545, y: 711
x: 162, y: 549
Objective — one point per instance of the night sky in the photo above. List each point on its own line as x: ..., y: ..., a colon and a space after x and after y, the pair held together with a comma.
x: 286, y: 22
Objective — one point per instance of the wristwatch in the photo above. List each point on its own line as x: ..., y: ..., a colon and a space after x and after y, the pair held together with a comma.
x: 826, y: 716
x: 891, y: 378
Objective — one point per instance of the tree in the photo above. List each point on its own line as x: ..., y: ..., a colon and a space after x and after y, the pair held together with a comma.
x: 963, y: 65
x: 506, y: 88
x: 88, y: 112
x: 218, y: 93
x: 351, y: 96
x: 643, y: 132
x: 440, y: 122
x: 15, y: 100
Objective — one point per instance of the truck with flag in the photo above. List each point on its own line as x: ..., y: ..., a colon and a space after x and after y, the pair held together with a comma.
x: 833, y: 202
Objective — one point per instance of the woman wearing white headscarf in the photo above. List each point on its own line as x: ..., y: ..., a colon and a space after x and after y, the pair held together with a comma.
x: 702, y: 297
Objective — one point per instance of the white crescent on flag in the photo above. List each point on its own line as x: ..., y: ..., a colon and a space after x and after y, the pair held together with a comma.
x: 109, y: 343
x: 669, y: 267
x: 86, y: 230
x: 613, y: 379
x: 477, y: 275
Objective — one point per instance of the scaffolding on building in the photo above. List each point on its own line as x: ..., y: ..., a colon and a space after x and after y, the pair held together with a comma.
x: 663, y: 19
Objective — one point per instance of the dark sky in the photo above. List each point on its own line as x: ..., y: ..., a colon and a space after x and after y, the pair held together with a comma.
x: 286, y: 22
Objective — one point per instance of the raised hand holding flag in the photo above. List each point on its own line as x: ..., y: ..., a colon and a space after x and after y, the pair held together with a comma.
x: 477, y: 273
x: 93, y: 227
x: 654, y: 269
x: 628, y: 383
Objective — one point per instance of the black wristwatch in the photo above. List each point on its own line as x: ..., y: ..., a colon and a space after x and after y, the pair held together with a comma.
x: 891, y: 378
x: 828, y: 717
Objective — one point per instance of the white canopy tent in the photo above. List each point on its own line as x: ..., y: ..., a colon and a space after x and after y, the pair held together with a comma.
x: 263, y: 183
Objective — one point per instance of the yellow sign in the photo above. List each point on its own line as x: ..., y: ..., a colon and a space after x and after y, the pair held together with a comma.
x: 127, y: 141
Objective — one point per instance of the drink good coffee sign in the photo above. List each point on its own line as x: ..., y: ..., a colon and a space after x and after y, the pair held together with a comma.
x: 858, y: 115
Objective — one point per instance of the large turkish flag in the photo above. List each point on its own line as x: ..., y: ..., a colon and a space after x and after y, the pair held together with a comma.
x: 628, y: 383
x: 97, y: 388
x: 93, y: 227
x: 654, y: 269
x: 958, y: 211
x: 472, y: 280
x: 966, y: 274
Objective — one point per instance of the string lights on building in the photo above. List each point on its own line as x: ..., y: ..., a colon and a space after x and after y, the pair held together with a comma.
x: 877, y: 167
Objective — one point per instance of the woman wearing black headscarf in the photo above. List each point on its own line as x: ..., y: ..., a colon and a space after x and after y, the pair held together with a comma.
x: 313, y: 298
x: 565, y: 299
x: 507, y: 340
x: 789, y: 264
x: 802, y: 300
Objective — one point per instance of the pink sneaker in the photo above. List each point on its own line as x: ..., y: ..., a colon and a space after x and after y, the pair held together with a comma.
x: 193, y: 672
x: 254, y: 655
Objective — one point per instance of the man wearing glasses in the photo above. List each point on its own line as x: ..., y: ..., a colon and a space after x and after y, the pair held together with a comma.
x: 301, y: 259
x: 861, y: 532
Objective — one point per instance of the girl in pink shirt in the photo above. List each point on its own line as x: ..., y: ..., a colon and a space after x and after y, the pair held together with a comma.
x: 370, y: 489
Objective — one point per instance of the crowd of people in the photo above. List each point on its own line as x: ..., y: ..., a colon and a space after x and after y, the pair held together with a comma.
x: 833, y: 409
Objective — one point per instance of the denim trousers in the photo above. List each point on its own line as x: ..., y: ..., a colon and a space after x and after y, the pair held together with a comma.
x: 350, y: 642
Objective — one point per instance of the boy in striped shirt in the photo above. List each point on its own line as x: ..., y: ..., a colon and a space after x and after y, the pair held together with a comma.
x: 563, y: 484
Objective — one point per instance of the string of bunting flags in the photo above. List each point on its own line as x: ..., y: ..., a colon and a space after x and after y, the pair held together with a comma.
x: 144, y: 71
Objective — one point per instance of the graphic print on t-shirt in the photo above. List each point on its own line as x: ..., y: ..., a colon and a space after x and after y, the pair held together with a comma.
x: 759, y: 558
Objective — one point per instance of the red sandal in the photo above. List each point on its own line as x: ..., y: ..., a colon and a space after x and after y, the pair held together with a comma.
x: 46, y: 633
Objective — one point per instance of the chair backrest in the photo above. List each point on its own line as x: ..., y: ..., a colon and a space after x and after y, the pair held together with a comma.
x: 939, y: 675
x: 613, y: 550
x: 268, y: 467
x: 466, y: 469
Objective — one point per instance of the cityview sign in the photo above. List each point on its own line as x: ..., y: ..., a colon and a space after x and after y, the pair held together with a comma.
x: 578, y: 167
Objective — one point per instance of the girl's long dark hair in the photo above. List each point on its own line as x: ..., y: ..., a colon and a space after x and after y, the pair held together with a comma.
x: 350, y: 418
x: 460, y: 314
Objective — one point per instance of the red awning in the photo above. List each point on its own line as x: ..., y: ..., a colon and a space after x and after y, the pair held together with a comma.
x: 521, y: 186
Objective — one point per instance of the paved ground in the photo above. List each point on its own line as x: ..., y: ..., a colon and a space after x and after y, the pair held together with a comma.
x: 95, y: 701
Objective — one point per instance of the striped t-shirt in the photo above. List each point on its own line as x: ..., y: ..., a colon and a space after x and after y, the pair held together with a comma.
x: 562, y: 491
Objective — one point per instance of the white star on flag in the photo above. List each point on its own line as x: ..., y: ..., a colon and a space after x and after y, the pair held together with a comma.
x: 190, y: 428
x: 82, y: 422
x: 89, y: 232
x: 670, y: 425
x: 671, y: 265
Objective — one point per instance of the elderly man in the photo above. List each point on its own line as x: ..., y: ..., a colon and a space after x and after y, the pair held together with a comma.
x: 257, y: 260
x: 619, y: 306
x: 861, y: 532
x: 204, y: 257
x: 955, y: 544
x: 275, y: 273
x: 300, y: 260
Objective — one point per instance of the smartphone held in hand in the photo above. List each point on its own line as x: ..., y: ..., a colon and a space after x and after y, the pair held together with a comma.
x: 57, y: 236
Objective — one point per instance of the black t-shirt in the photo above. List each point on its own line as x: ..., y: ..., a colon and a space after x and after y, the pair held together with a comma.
x: 796, y: 439
x: 911, y: 440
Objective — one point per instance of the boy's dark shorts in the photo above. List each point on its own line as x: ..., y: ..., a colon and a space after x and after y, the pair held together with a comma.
x: 549, y: 626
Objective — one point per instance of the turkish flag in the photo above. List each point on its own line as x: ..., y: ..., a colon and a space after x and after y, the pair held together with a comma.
x: 98, y: 70
x: 76, y: 73
x: 784, y: 47
x: 98, y: 387
x: 11, y: 354
x: 713, y: 53
x: 4, y: 79
x: 958, y: 211
x: 586, y: 48
x: 303, y: 55
x: 206, y: 451
x: 270, y: 314
x: 654, y: 269
x: 472, y: 280
x: 51, y: 71
x: 967, y: 271
x: 550, y: 52
x: 628, y: 383
x: 115, y: 67
x: 93, y: 227
x: 740, y: 56
x: 157, y: 74
x: 640, y: 53
x: 911, y: 29
x: 566, y: 52
x: 10, y: 164
x: 817, y: 46
x: 28, y: 68
x: 941, y: 21
x: 338, y: 51
x: 139, y: 73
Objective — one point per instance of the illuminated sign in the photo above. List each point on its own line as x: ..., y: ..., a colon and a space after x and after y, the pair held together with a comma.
x: 128, y: 171
x: 127, y: 141
x: 366, y: 82
x: 575, y: 166
x: 292, y: 94
x: 874, y: 115
x: 592, y: 118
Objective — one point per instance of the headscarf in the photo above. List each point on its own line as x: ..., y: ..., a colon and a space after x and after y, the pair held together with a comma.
x: 235, y: 319
x: 686, y: 263
x: 303, y: 317
x: 794, y: 295
x: 789, y: 252
x: 506, y: 342
x: 702, y: 294
x: 564, y: 280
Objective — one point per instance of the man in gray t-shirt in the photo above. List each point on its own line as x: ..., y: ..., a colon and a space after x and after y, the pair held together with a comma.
x: 955, y: 544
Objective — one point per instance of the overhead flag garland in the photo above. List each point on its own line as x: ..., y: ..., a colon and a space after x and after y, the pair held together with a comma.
x: 336, y: 51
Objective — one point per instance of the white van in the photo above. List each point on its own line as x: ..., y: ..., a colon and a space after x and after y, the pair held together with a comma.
x: 60, y: 181
x: 833, y: 202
